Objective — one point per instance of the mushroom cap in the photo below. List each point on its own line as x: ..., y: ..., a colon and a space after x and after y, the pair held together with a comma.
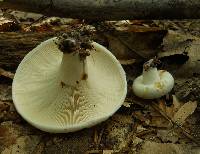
x: 156, y: 89
x: 41, y: 100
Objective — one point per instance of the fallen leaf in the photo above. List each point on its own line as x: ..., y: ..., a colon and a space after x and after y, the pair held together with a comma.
x: 166, y: 148
x: 142, y: 117
x: 25, y: 16
x: 135, y: 45
x: 181, y: 54
x: 188, y: 89
x: 184, y: 112
x: 157, y: 119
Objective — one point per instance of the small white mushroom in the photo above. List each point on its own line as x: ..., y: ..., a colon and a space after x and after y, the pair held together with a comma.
x: 152, y: 83
x: 61, y: 92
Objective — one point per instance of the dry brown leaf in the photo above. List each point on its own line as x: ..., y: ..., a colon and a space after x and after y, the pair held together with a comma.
x: 177, y: 112
x: 140, y: 116
x: 25, y: 16
x: 176, y: 104
x: 157, y: 119
x: 179, y: 118
x: 182, y: 51
x: 188, y: 89
x: 184, y: 112
x: 166, y: 148
x: 135, y: 45
x: 159, y: 122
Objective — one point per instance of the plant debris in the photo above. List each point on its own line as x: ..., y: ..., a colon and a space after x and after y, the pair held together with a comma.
x: 139, y: 126
x: 7, y: 25
x: 6, y: 73
x: 183, y: 51
x: 182, y: 114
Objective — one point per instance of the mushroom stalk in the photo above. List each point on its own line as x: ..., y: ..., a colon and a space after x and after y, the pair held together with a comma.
x: 150, y: 76
x: 73, y: 69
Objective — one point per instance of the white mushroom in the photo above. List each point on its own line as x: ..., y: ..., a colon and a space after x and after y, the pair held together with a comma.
x: 60, y: 92
x: 152, y: 83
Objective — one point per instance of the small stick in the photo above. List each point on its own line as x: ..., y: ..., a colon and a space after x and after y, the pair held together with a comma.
x: 140, y: 134
x: 6, y: 73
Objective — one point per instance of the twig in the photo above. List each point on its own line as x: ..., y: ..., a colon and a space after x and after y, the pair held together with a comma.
x: 98, y: 137
x: 142, y: 133
x: 6, y: 73
x: 39, y: 19
x: 95, y: 135
x: 188, y: 135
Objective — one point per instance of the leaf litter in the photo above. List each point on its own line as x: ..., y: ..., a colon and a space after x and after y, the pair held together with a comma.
x: 139, y: 126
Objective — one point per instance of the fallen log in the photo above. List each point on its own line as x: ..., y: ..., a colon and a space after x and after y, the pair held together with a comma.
x: 110, y: 9
x: 14, y: 46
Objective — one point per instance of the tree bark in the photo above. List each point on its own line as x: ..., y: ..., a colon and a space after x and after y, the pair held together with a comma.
x: 110, y: 9
x: 14, y: 46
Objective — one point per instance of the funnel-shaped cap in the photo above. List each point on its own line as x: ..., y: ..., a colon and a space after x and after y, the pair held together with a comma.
x: 58, y: 92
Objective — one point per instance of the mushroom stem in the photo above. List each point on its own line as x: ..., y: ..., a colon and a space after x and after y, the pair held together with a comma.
x: 151, y: 75
x: 72, y: 69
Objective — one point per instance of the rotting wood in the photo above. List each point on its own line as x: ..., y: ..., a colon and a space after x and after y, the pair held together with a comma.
x: 110, y: 9
x: 14, y: 46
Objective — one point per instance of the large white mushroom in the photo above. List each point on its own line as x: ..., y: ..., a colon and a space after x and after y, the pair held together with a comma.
x: 67, y: 91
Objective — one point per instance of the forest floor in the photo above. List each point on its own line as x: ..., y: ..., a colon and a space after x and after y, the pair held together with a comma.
x: 166, y: 125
